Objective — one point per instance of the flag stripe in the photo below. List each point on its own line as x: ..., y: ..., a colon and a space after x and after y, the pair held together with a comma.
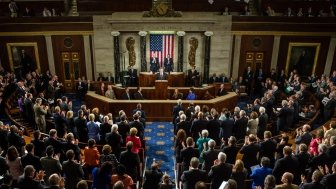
x: 161, y: 45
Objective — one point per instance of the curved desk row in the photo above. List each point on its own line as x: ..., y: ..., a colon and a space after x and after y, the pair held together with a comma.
x: 156, y: 110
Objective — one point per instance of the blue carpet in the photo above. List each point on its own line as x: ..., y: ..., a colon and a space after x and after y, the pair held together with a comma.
x: 160, y: 146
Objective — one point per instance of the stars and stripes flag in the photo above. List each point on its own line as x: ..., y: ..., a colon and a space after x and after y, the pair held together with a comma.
x: 161, y: 45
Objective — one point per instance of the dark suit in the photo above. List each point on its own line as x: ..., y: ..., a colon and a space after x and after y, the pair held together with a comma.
x: 73, y: 173
x: 262, y: 125
x: 60, y: 124
x: 186, y: 155
x: 267, y: 149
x: 221, y: 92
x: 226, y: 128
x: 176, y: 110
x: 329, y: 181
x: 54, y: 143
x: 183, y: 125
x: 138, y: 96
x: 303, y: 159
x: 190, y: 177
x: 80, y: 124
x: 104, y: 129
x: 312, y: 185
x: 213, y: 80
x: 219, y: 173
x: 139, y: 126
x: 286, y: 164
x: 30, y: 159
x: 154, y: 65
x: 231, y: 153
x: 152, y: 179
x: 305, y: 138
x: 29, y: 183
x: 248, y: 78
x: 162, y: 76
x: 123, y: 129
x: 133, y: 77
x: 209, y: 157
x: 193, y: 78
x: 71, y: 146
x: 168, y: 65
x: 126, y: 96
x: 329, y: 109
x: 239, y: 128
x: 114, y: 140
x: 214, y: 129
x: 131, y: 161
x: 331, y: 152
x: 250, y: 152
x: 282, y: 119
x: 197, y: 126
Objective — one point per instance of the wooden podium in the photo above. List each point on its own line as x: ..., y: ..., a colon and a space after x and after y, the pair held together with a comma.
x: 146, y: 79
x: 161, y: 88
x: 175, y: 79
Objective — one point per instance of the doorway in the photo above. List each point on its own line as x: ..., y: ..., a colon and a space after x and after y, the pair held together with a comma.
x: 70, y: 63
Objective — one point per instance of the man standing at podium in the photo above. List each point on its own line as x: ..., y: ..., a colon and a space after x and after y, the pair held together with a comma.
x: 168, y: 64
x: 133, y: 76
x: 161, y: 75
x: 154, y: 64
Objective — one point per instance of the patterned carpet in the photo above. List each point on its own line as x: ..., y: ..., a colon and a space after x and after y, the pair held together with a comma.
x: 159, y: 145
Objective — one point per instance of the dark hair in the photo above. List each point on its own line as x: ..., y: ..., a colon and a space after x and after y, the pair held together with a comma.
x: 50, y: 150
x: 37, y: 134
x: 12, y: 153
x: 29, y: 147
x: 70, y: 154
x: 121, y: 169
x: 7, y: 179
x: 91, y: 142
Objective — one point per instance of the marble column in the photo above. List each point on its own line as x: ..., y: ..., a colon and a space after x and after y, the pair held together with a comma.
x: 88, y: 58
x: 275, y: 52
x: 330, y: 56
x: 207, y: 49
x: 143, y: 63
x: 180, y: 35
x: 117, y: 72
x: 50, y: 54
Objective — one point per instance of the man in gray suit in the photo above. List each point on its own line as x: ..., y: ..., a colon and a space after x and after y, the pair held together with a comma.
x: 40, y: 112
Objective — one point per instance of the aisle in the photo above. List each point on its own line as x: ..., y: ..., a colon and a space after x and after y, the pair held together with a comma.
x: 159, y: 145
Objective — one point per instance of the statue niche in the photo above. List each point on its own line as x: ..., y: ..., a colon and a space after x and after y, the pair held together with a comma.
x: 193, y: 42
x: 130, y: 41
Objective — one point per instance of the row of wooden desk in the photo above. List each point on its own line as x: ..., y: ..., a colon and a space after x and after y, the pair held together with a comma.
x: 175, y: 79
x: 156, y: 110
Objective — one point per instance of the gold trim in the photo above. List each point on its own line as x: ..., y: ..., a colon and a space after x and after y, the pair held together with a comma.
x: 28, y: 44
x: 283, y: 33
x: 46, y: 33
x: 294, y: 44
x: 39, y: 23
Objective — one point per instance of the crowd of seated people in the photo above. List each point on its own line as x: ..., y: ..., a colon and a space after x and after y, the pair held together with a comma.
x: 301, y: 12
x: 17, y: 10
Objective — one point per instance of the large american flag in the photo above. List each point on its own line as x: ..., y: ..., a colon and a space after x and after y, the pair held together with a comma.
x: 161, y: 45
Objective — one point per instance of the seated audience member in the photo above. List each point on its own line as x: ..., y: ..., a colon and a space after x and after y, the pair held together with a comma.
x: 222, y: 78
x: 193, y: 77
x: 289, y: 12
x: 91, y: 156
x: 161, y: 75
x: 226, y: 12
x: 28, y: 13
x: 166, y: 183
x: 134, y: 139
x: 93, y: 128
x: 269, y: 182
x: 102, y: 176
x: 270, y: 11
x: 102, y: 88
x: 82, y: 185
x: 286, y: 164
x: 246, y: 11
x: 130, y: 160
x: 250, y: 150
x: 300, y: 12
x: 123, y: 177
x: 190, y: 177
x: 231, y: 150
x: 239, y: 174
x: 208, y: 96
x: 14, y: 163
x: 7, y: 182
x: 50, y: 163
x: 29, y: 181
x: 176, y: 95
x: 287, y: 180
x: 213, y: 79
x: 101, y: 77
x: 138, y: 94
x: 126, y: 95
x: 30, y: 158
x: 220, y: 171
x: 107, y: 156
x: 153, y: 177
x: 221, y: 91
x: 191, y: 95
x: 46, y: 12
x: 315, y: 184
x: 114, y: 139
x: 72, y: 170
x: 109, y: 93
x: 259, y: 174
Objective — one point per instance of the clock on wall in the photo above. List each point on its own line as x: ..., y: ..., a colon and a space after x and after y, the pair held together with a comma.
x: 68, y: 42
x: 161, y: 9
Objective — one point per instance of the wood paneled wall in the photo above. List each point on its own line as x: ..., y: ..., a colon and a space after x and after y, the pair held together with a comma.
x: 58, y: 48
x: 247, y: 45
x: 283, y: 50
x: 41, y: 44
